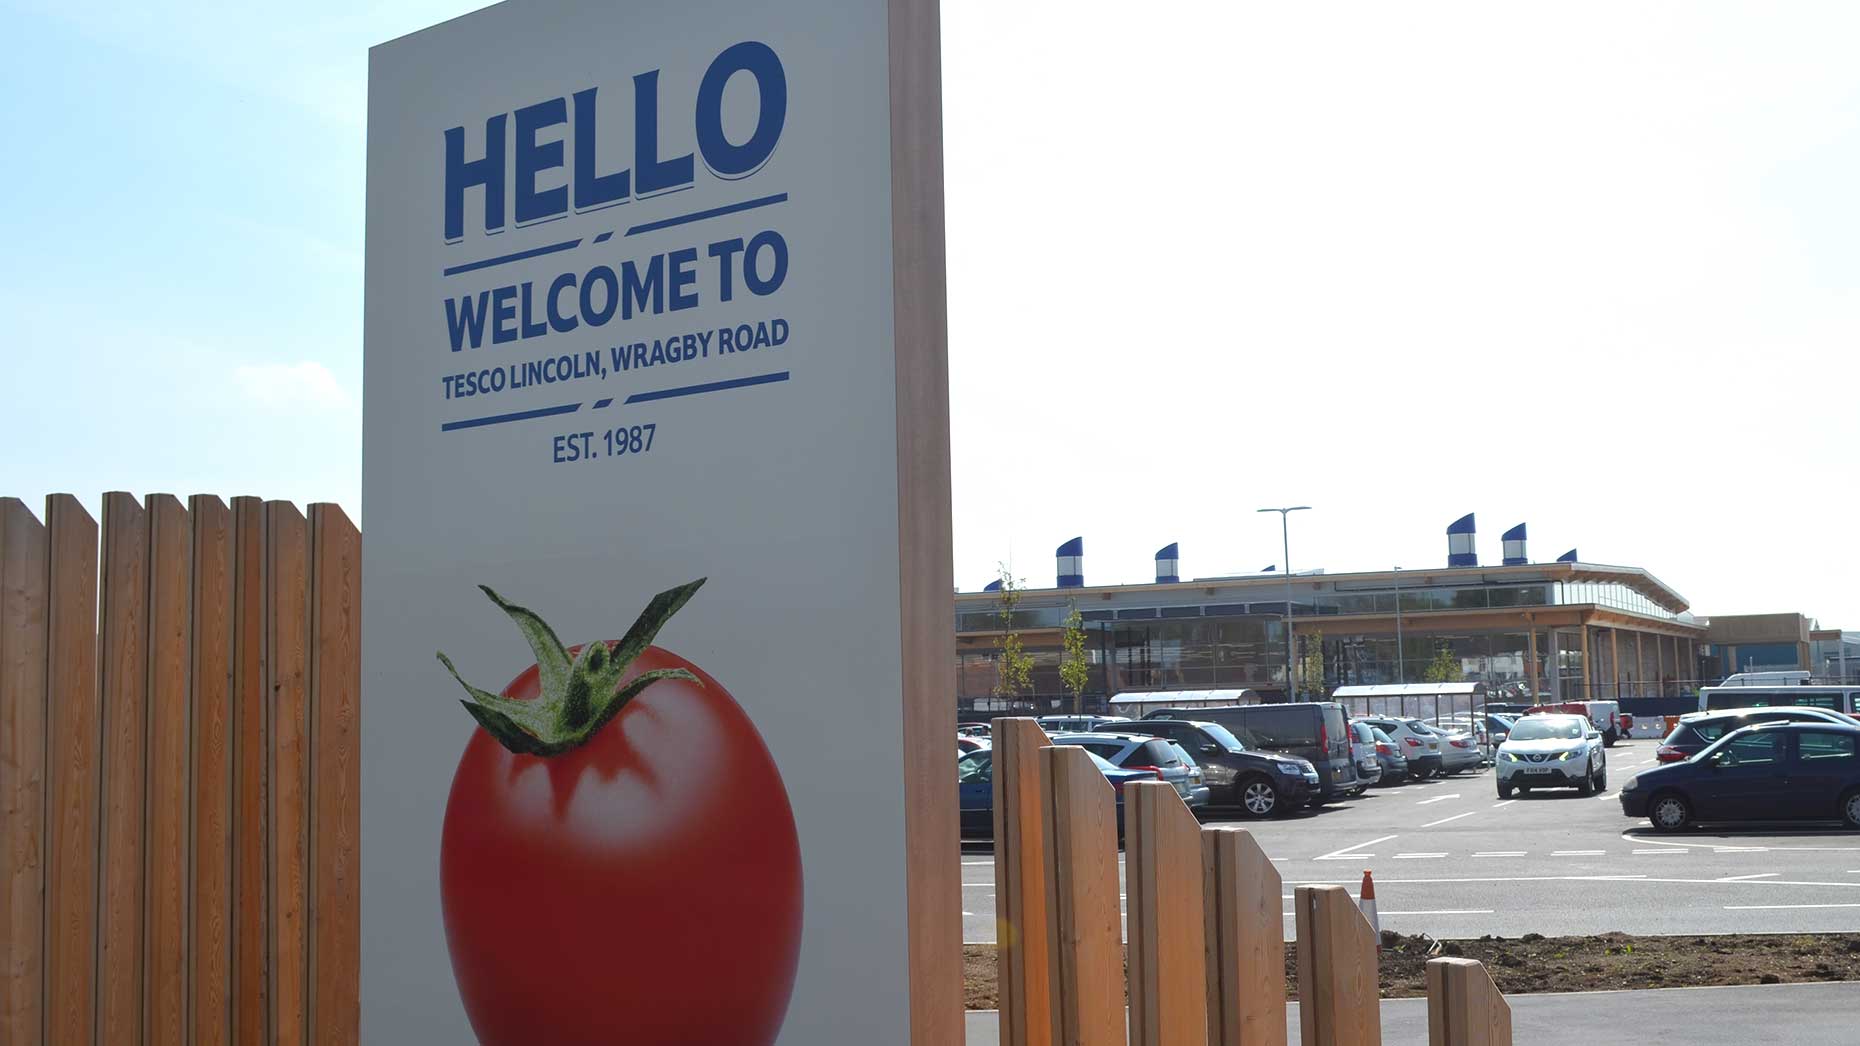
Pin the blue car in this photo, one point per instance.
(975, 779)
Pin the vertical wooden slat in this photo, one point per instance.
(73, 760)
(210, 936)
(1163, 884)
(286, 642)
(1464, 1007)
(170, 660)
(1245, 940)
(1338, 997)
(1020, 884)
(335, 809)
(23, 724)
(251, 706)
(124, 644)
(1081, 900)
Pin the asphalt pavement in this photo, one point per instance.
(1453, 860)
(1802, 1014)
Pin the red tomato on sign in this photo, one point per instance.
(642, 887)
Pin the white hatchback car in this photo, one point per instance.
(1552, 751)
(1420, 747)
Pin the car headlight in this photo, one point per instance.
(1290, 768)
(1571, 754)
(1507, 757)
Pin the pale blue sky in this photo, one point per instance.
(1595, 267)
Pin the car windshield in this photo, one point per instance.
(1381, 735)
(1547, 728)
(976, 766)
(1224, 737)
(1101, 762)
(1418, 727)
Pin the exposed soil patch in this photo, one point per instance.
(1534, 963)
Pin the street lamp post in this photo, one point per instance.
(1291, 687)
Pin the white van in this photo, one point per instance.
(1838, 698)
(1785, 678)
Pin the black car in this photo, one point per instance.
(1254, 782)
(1698, 730)
(1769, 772)
(1315, 731)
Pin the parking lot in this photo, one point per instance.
(1452, 860)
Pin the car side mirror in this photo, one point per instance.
(1210, 749)
(1720, 760)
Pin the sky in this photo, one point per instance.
(1593, 267)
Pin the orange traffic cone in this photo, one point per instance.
(1366, 900)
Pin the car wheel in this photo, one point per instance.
(1587, 785)
(1258, 798)
(1670, 812)
(1850, 808)
(1601, 781)
(1504, 791)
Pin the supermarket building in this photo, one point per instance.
(1566, 629)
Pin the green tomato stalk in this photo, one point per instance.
(580, 696)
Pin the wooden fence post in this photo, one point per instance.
(251, 729)
(1245, 940)
(73, 774)
(209, 962)
(1087, 994)
(124, 645)
(335, 778)
(23, 712)
(165, 879)
(1464, 1007)
(1338, 995)
(1163, 883)
(1021, 947)
(287, 638)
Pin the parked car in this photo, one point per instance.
(1363, 750)
(1157, 755)
(1459, 750)
(1420, 747)
(1388, 754)
(1077, 723)
(1697, 730)
(975, 786)
(1256, 783)
(1315, 731)
(1605, 716)
(965, 743)
(974, 729)
(1768, 772)
(1552, 751)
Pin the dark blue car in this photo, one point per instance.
(1769, 772)
(975, 778)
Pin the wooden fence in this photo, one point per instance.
(1205, 925)
(179, 775)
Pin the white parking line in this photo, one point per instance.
(1415, 857)
(1662, 851)
(1748, 878)
(1501, 806)
(1500, 853)
(1438, 799)
(1577, 853)
(1773, 907)
(1345, 854)
(1444, 820)
(1445, 911)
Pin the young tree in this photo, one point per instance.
(1444, 668)
(1013, 665)
(1311, 665)
(1075, 663)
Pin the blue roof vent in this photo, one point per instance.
(1461, 550)
(992, 586)
(1272, 569)
(1072, 563)
(1167, 572)
(1568, 557)
(1514, 546)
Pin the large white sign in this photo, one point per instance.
(637, 728)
